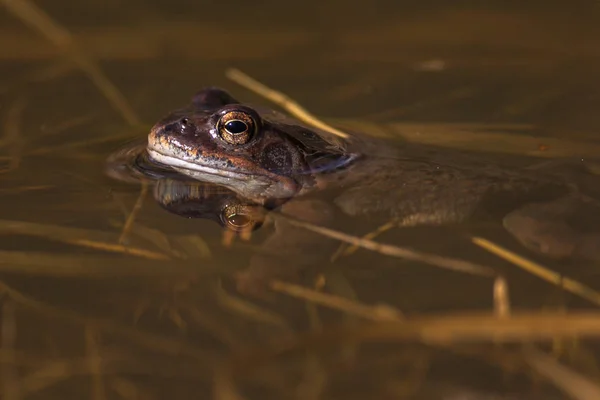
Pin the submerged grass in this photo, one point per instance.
(12, 133)
(540, 271)
(502, 326)
(181, 325)
(38, 20)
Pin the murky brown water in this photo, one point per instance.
(82, 319)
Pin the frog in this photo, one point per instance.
(274, 160)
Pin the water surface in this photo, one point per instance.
(90, 311)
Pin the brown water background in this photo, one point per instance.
(80, 321)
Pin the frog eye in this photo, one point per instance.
(236, 127)
(241, 217)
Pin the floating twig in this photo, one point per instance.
(281, 100)
(449, 263)
(540, 271)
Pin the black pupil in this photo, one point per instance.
(236, 127)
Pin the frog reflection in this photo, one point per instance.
(193, 199)
(240, 217)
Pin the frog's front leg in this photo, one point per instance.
(560, 229)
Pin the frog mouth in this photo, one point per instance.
(190, 167)
(246, 184)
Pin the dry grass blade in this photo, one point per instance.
(501, 299)
(71, 123)
(92, 265)
(51, 374)
(55, 371)
(159, 239)
(380, 312)
(249, 310)
(540, 271)
(569, 381)
(98, 240)
(33, 16)
(371, 235)
(94, 359)
(281, 100)
(9, 378)
(440, 330)
(126, 389)
(152, 341)
(54, 231)
(495, 138)
(23, 189)
(338, 284)
(217, 328)
(12, 133)
(118, 248)
(452, 264)
(129, 389)
(134, 212)
(224, 388)
(193, 246)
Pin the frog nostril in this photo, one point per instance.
(183, 126)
